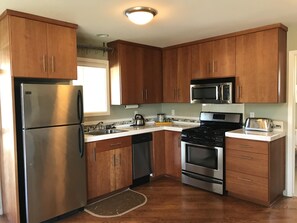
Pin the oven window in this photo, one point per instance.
(205, 157)
(204, 93)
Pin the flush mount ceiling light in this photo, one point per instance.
(140, 15)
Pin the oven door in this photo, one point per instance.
(204, 160)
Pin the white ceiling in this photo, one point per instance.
(178, 21)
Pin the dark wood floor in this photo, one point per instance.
(171, 201)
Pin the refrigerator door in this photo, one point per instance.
(55, 171)
(50, 105)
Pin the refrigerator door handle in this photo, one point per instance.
(81, 140)
(80, 109)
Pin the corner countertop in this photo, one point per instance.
(256, 135)
(134, 130)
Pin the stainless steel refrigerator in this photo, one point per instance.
(53, 150)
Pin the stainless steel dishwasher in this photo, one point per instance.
(141, 158)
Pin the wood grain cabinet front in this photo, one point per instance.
(261, 66)
(109, 166)
(214, 59)
(255, 170)
(136, 73)
(42, 49)
(158, 154)
(173, 154)
(177, 74)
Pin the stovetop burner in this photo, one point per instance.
(212, 130)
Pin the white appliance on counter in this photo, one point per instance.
(52, 166)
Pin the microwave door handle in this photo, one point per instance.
(217, 92)
(222, 92)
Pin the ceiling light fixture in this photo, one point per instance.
(140, 15)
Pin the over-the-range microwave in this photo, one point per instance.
(213, 91)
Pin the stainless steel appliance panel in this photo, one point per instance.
(203, 160)
(50, 105)
(55, 172)
(206, 183)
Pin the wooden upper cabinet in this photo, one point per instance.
(62, 52)
(135, 71)
(261, 66)
(152, 75)
(28, 47)
(169, 74)
(213, 59)
(176, 74)
(41, 47)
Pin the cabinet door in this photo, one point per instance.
(257, 66)
(223, 64)
(62, 52)
(123, 167)
(152, 75)
(131, 68)
(28, 47)
(173, 154)
(100, 168)
(183, 74)
(169, 75)
(158, 153)
(201, 60)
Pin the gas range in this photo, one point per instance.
(202, 150)
(208, 134)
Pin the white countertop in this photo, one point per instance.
(134, 130)
(255, 135)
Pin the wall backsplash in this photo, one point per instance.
(119, 112)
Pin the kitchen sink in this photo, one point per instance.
(104, 131)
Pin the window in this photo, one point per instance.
(93, 75)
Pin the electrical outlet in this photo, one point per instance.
(172, 112)
(252, 114)
(278, 125)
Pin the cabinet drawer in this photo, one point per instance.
(113, 143)
(244, 162)
(247, 186)
(247, 145)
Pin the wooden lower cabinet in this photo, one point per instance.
(255, 170)
(109, 166)
(173, 154)
(158, 153)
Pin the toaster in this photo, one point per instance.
(259, 124)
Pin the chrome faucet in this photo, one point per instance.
(98, 126)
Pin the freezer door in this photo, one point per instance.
(50, 105)
(55, 171)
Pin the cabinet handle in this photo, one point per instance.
(246, 157)
(239, 91)
(214, 66)
(94, 154)
(44, 63)
(174, 90)
(245, 146)
(145, 94)
(115, 144)
(178, 94)
(120, 159)
(244, 179)
(114, 160)
(53, 64)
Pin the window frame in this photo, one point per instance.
(88, 62)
